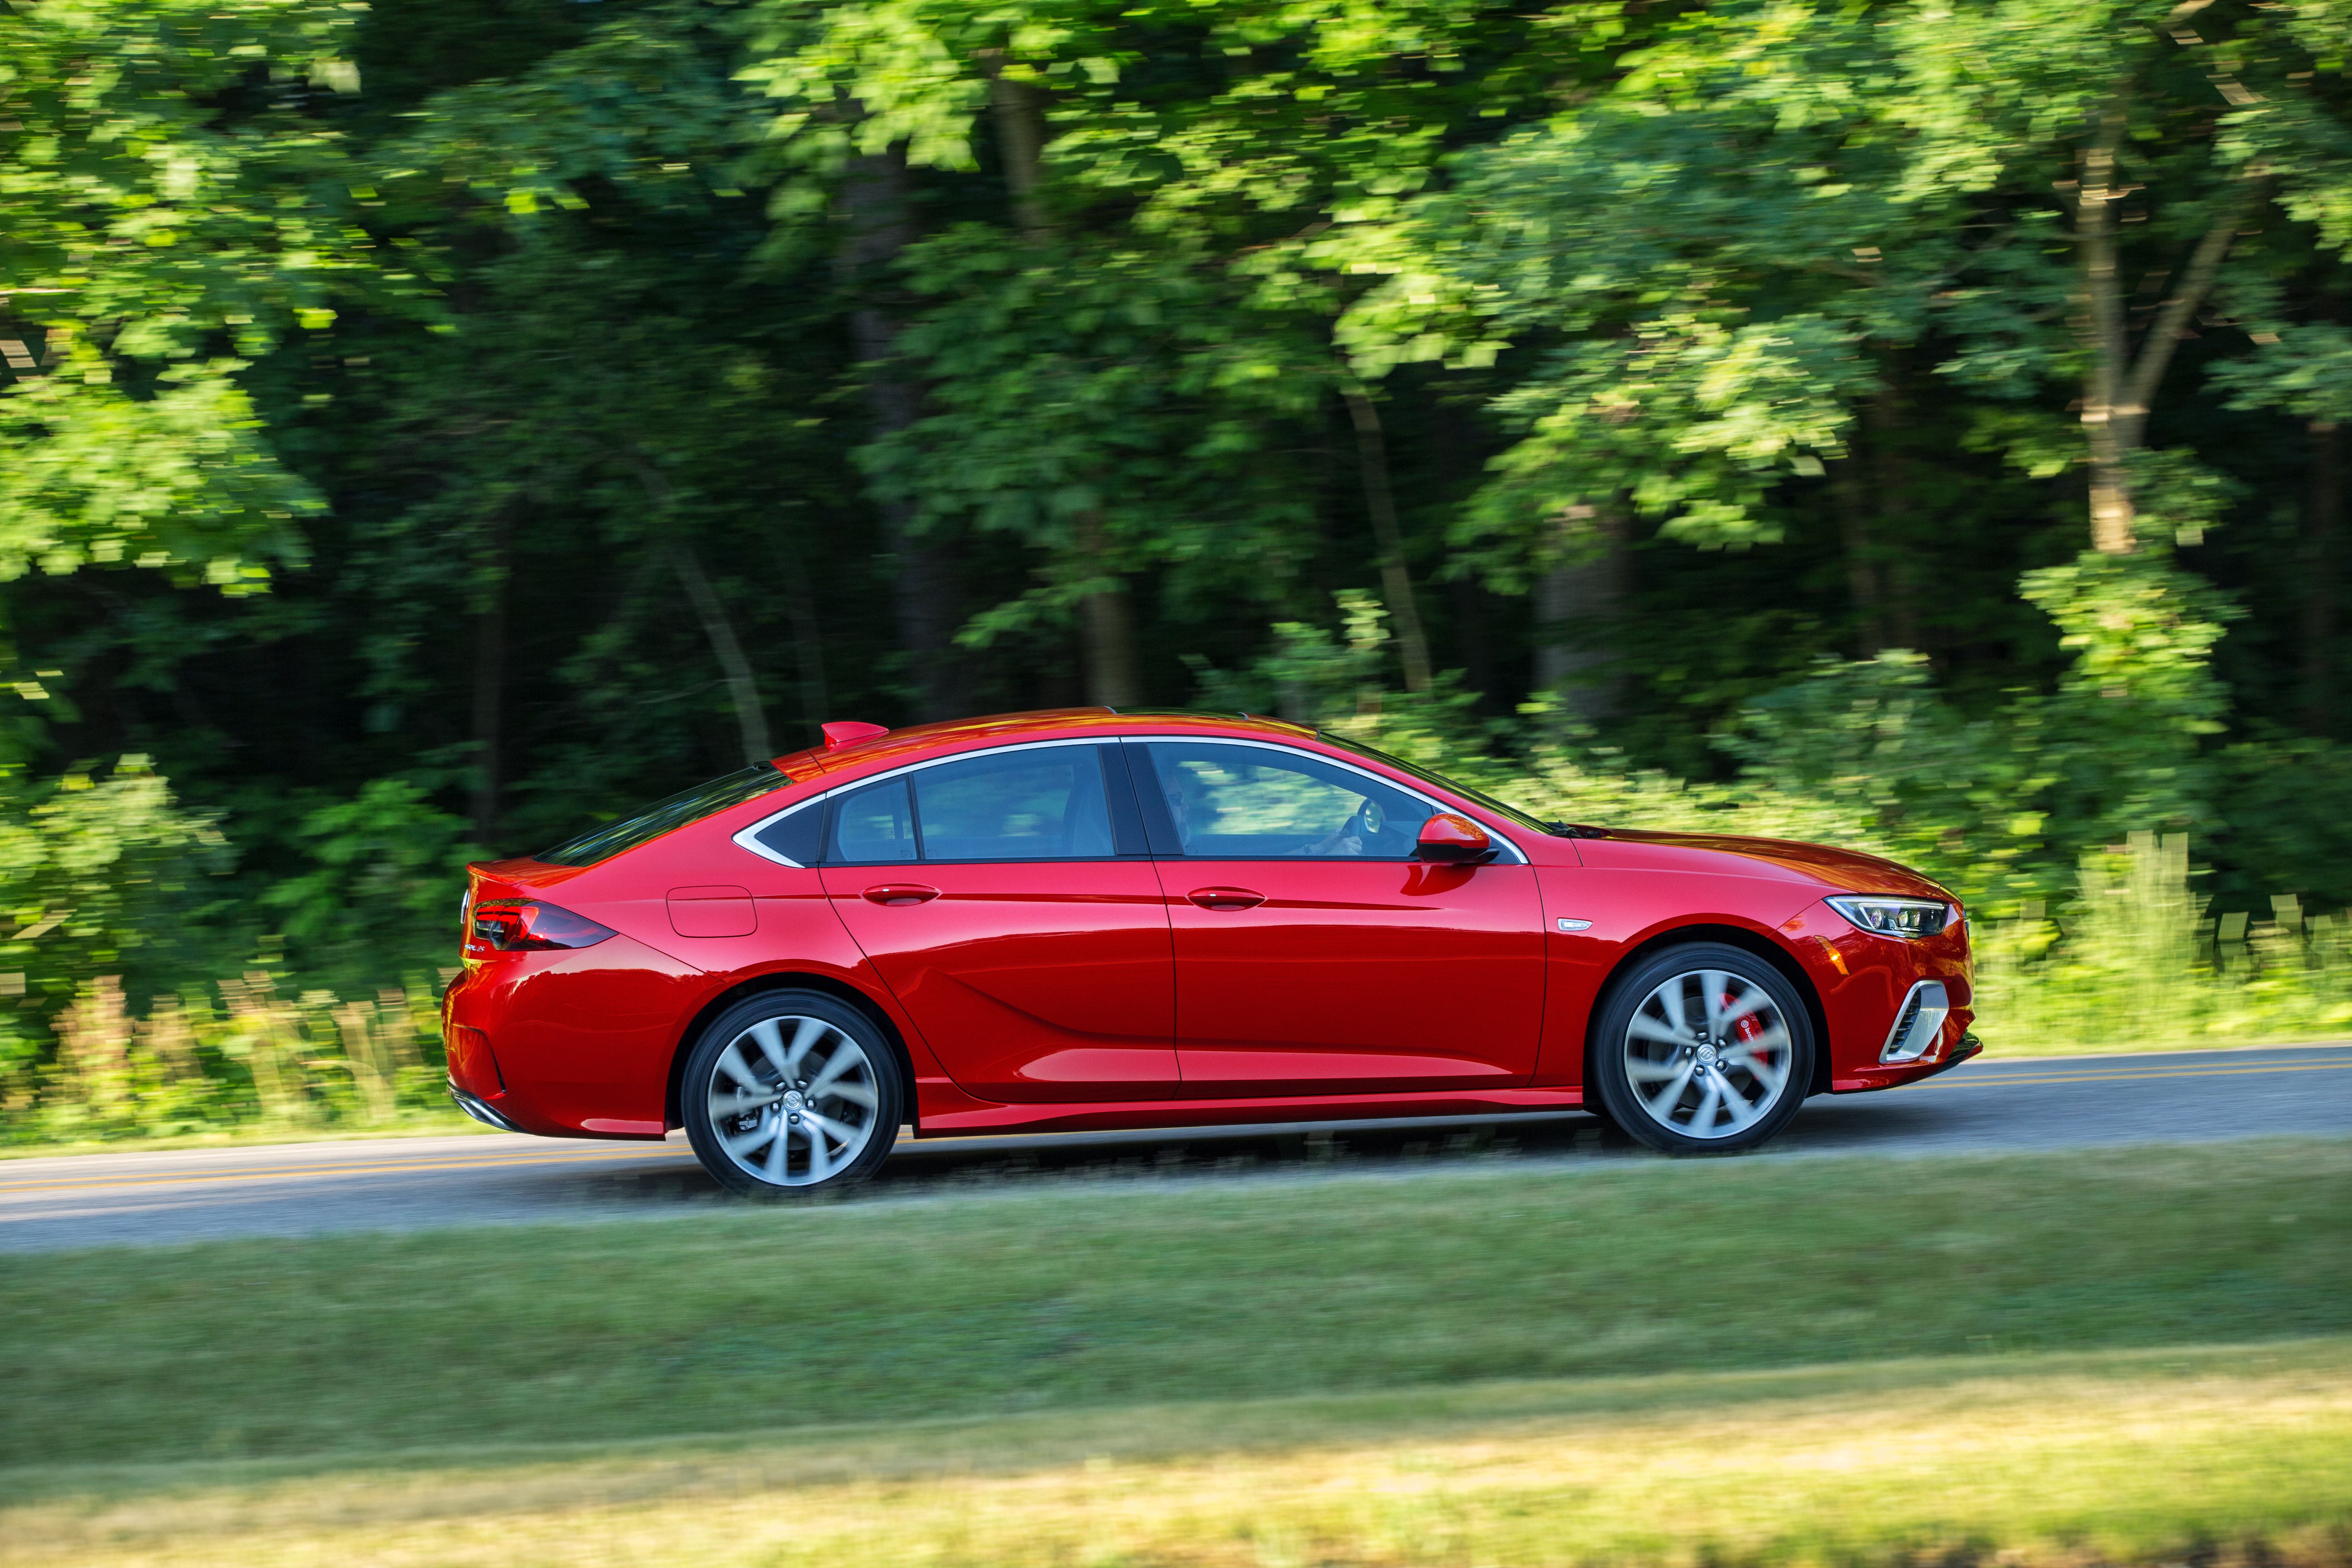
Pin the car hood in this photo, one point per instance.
(1834, 869)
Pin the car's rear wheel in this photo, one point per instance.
(1702, 1050)
(790, 1091)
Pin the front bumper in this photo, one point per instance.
(1961, 1049)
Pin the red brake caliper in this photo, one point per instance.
(1748, 1028)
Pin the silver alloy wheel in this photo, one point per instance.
(1708, 1054)
(793, 1100)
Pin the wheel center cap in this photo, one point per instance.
(1706, 1055)
(792, 1098)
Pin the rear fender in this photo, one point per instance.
(856, 986)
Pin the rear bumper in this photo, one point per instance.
(480, 1110)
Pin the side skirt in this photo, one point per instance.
(1106, 1116)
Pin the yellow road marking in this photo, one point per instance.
(607, 1156)
(2004, 1079)
(295, 1173)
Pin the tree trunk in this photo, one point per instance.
(808, 633)
(2319, 528)
(1882, 426)
(2119, 388)
(1477, 608)
(876, 200)
(1107, 615)
(1472, 613)
(2104, 418)
(1107, 630)
(1577, 604)
(743, 685)
(1396, 580)
(489, 687)
(1861, 589)
(1021, 142)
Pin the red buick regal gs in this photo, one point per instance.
(1089, 918)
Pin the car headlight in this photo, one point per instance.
(1911, 919)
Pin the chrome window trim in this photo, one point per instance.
(748, 838)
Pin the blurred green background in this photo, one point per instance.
(427, 427)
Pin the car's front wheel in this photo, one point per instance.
(1702, 1050)
(790, 1092)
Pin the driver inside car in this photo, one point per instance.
(1367, 831)
(1351, 835)
(1197, 804)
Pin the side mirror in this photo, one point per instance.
(1453, 839)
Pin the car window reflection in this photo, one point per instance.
(1045, 805)
(1249, 803)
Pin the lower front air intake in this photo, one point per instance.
(1918, 1022)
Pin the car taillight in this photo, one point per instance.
(518, 925)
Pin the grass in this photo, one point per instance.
(2123, 1357)
(2136, 1457)
(1097, 1295)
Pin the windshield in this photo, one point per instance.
(1500, 808)
(692, 806)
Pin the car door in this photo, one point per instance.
(1007, 899)
(1314, 953)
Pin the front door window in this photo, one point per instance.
(1256, 802)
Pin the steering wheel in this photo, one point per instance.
(1363, 825)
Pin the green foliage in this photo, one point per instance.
(2136, 941)
(103, 873)
(151, 254)
(377, 898)
(252, 1061)
(1118, 395)
(423, 430)
(2123, 730)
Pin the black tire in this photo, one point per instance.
(1744, 1085)
(737, 1087)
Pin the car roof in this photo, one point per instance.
(1058, 723)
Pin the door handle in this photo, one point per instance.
(898, 895)
(1225, 898)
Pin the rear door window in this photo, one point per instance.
(1046, 804)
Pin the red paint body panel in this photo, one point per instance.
(712, 911)
(1862, 979)
(472, 1067)
(1627, 906)
(1096, 993)
(578, 1035)
(1031, 980)
(1358, 977)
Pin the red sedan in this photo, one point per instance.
(1090, 918)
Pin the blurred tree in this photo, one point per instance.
(637, 385)
(161, 166)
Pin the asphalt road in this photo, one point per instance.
(404, 1184)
